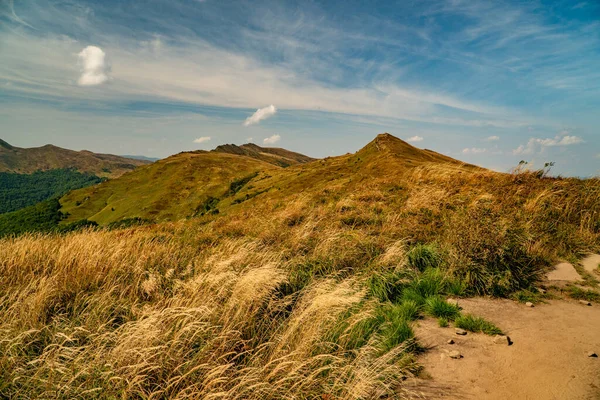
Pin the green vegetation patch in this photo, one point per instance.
(42, 217)
(471, 323)
(18, 191)
(577, 293)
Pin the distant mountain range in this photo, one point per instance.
(49, 157)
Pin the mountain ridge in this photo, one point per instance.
(28, 160)
(222, 179)
(273, 155)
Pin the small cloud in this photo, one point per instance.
(249, 140)
(94, 68)
(414, 139)
(535, 144)
(271, 140)
(260, 114)
(202, 139)
(493, 138)
(474, 150)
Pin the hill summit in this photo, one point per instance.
(272, 155)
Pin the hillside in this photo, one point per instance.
(175, 187)
(29, 160)
(340, 278)
(280, 157)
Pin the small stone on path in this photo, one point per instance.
(529, 304)
(585, 302)
(454, 354)
(450, 341)
(593, 354)
(502, 339)
(461, 332)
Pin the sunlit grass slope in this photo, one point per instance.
(305, 285)
(170, 189)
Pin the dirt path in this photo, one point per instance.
(548, 360)
(591, 263)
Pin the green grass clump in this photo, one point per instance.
(443, 322)
(430, 283)
(525, 295)
(409, 310)
(396, 329)
(424, 256)
(438, 307)
(386, 286)
(577, 293)
(471, 323)
(456, 287)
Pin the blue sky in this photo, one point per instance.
(488, 82)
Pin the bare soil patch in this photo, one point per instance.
(547, 360)
(564, 272)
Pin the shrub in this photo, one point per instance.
(238, 184)
(476, 324)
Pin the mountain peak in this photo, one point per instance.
(386, 145)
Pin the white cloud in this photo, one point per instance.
(493, 138)
(260, 114)
(202, 139)
(272, 139)
(474, 150)
(249, 140)
(535, 144)
(414, 139)
(94, 68)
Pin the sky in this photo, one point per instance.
(487, 82)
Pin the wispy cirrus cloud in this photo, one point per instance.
(493, 138)
(414, 139)
(260, 115)
(202, 139)
(474, 150)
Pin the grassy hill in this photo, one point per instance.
(177, 187)
(27, 161)
(306, 284)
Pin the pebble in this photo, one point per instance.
(585, 302)
(503, 339)
(529, 304)
(461, 332)
(450, 341)
(454, 354)
(593, 354)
